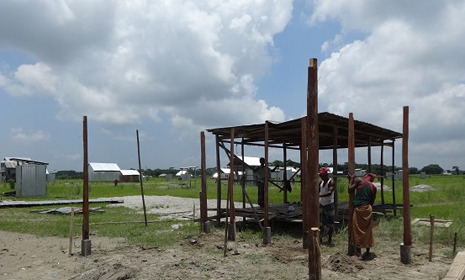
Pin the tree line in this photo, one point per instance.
(430, 169)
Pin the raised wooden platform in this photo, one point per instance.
(457, 269)
(292, 212)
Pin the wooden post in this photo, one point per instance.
(244, 176)
(393, 180)
(266, 227)
(85, 243)
(203, 175)
(285, 173)
(303, 182)
(218, 182)
(369, 154)
(313, 151)
(71, 232)
(382, 174)
(316, 240)
(141, 179)
(405, 255)
(335, 168)
(431, 220)
(351, 154)
(231, 187)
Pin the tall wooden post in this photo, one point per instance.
(232, 225)
(351, 152)
(218, 182)
(285, 173)
(369, 154)
(335, 168)
(313, 151)
(266, 227)
(203, 175)
(85, 243)
(303, 183)
(405, 247)
(244, 176)
(393, 180)
(382, 174)
(141, 179)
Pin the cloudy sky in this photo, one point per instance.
(171, 69)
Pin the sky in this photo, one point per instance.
(171, 69)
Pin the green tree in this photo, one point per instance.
(432, 169)
(457, 170)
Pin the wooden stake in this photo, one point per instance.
(455, 244)
(141, 177)
(71, 232)
(431, 220)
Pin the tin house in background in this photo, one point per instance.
(30, 175)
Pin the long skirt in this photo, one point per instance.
(362, 234)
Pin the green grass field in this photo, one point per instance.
(447, 202)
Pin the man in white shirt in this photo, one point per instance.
(327, 187)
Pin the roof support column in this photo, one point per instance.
(335, 168)
(393, 180)
(266, 227)
(303, 183)
(351, 151)
(85, 243)
(218, 182)
(405, 247)
(314, 260)
(285, 173)
(382, 174)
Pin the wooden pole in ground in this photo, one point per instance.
(393, 179)
(313, 153)
(243, 178)
(71, 231)
(218, 182)
(231, 189)
(405, 249)
(285, 173)
(351, 153)
(303, 183)
(431, 220)
(335, 168)
(369, 154)
(141, 179)
(266, 227)
(382, 174)
(316, 240)
(203, 175)
(85, 243)
(454, 250)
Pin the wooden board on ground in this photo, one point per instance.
(457, 269)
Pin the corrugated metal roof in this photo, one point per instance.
(101, 167)
(130, 172)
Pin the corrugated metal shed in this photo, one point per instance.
(130, 176)
(31, 180)
(103, 172)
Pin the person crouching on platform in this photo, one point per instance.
(362, 230)
(326, 203)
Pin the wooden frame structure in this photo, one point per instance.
(314, 132)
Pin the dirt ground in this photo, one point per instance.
(24, 256)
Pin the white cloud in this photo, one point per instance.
(411, 55)
(119, 62)
(18, 134)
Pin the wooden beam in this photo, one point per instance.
(203, 176)
(405, 177)
(351, 154)
(335, 168)
(218, 182)
(313, 151)
(265, 193)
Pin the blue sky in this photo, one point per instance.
(174, 68)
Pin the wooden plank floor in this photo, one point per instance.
(457, 269)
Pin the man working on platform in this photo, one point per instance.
(259, 174)
(327, 187)
(362, 231)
